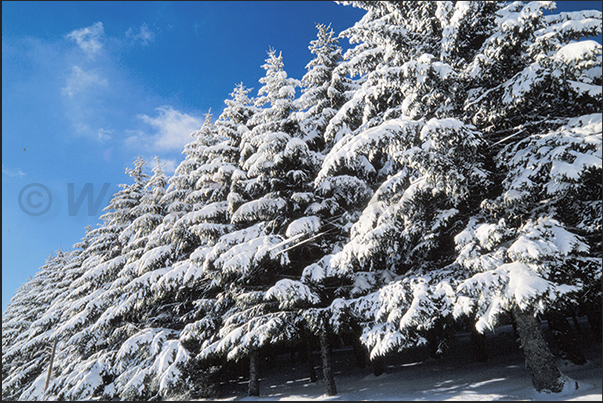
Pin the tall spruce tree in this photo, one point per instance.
(27, 330)
(276, 165)
(527, 22)
(320, 96)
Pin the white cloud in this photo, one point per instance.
(80, 81)
(104, 103)
(104, 134)
(12, 173)
(173, 130)
(144, 35)
(89, 38)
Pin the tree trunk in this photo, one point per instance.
(254, 382)
(576, 324)
(359, 352)
(434, 337)
(310, 361)
(593, 314)
(377, 365)
(478, 341)
(565, 338)
(54, 348)
(325, 351)
(539, 359)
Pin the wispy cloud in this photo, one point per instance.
(12, 173)
(79, 81)
(104, 134)
(102, 101)
(100, 97)
(89, 39)
(144, 35)
(172, 130)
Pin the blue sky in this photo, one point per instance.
(88, 86)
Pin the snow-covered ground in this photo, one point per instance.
(412, 376)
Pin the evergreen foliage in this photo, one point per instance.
(443, 172)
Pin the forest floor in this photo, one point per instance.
(411, 376)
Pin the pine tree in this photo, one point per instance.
(391, 152)
(96, 266)
(521, 229)
(276, 165)
(162, 280)
(102, 261)
(320, 97)
(116, 325)
(27, 334)
(199, 217)
(463, 188)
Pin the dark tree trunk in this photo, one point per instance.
(359, 352)
(478, 341)
(433, 344)
(325, 351)
(254, 382)
(378, 365)
(310, 361)
(539, 359)
(576, 324)
(565, 338)
(593, 314)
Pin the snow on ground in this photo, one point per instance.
(412, 376)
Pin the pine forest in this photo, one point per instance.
(441, 175)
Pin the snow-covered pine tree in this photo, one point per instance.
(87, 297)
(26, 331)
(116, 325)
(172, 280)
(388, 148)
(186, 281)
(277, 167)
(153, 284)
(140, 313)
(536, 84)
(447, 176)
(170, 240)
(212, 301)
(146, 216)
(72, 315)
(313, 235)
(407, 228)
(356, 163)
(526, 256)
(49, 319)
(320, 96)
(346, 182)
